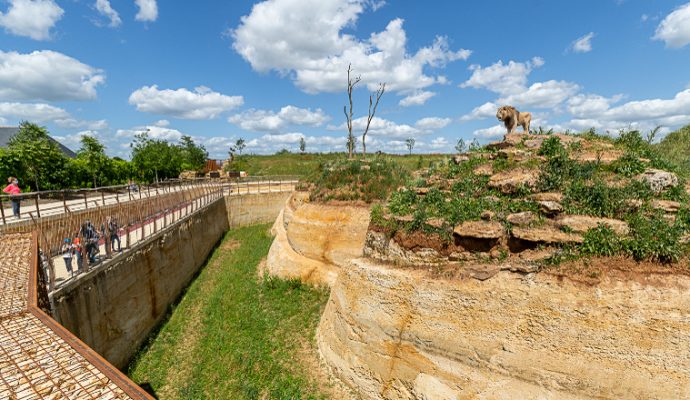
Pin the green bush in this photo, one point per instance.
(601, 241)
(653, 238)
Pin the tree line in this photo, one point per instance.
(39, 164)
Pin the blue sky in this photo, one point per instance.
(274, 71)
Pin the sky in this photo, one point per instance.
(275, 71)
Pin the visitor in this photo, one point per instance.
(113, 229)
(67, 254)
(14, 191)
(90, 237)
(78, 252)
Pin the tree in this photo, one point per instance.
(96, 162)
(40, 159)
(155, 159)
(351, 143)
(351, 82)
(240, 145)
(370, 116)
(193, 157)
(302, 145)
(474, 146)
(460, 146)
(409, 142)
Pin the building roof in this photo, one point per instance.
(8, 132)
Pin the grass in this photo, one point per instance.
(305, 164)
(233, 335)
(454, 194)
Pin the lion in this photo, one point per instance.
(512, 118)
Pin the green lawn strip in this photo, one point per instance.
(250, 331)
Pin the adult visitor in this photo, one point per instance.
(14, 191)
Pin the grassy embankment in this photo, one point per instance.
(308, 163)
(233, 335)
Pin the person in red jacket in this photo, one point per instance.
(13, 189)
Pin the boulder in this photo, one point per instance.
(604, 157)
(423, 190)
(658, 179)
(515, 138)
(583, 223)
(533, 143)
(550, 207)
(510, 181)
(522, 218)
(514, 154)
(488, 215)
(547, 196)
(545, 234)
(484, 169)
(436, 222)
(666, 205)
(461, 158)
(479, 230)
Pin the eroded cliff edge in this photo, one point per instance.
(399, 334)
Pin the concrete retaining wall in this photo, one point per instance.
(259, 208)
(114, 308)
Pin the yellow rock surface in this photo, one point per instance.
(313, 241)
(400, 334)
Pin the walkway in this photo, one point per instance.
(39, 359)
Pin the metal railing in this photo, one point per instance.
(84, 228)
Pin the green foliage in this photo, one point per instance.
(93, 160)
(597, 199)
(356, 180)
(234, 335)
(460, 146)
(653, 238)
(40, 160)
(601, 241)
(676, 148)
(193, 156)
(628, 165)
(155, 159)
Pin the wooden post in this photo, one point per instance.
(86, 203)
(64, 201)
(2, 211)
(38, 212)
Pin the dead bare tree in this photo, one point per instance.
(350, 86)
(379, 92)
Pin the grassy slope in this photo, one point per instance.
(676, 148)
(232, 336)
(304, 164)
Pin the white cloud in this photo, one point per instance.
(493, 132)
(583, 44)
(148, 10)
(104, 8)
(590, 105)
(547, 94)
(31, 18)
(202, 103)
(651, 109)
(32, 112)
(504, 79)
(46, 75)
(42, 113)
(381, 127)
(272, 143)
(305, 40)
(162, 123)
(486, 110)
(432, 123)
(154, 132)
(269, 121)
(417, 98)
(674, 30)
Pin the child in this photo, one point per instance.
(67, 254)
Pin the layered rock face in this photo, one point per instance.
(313, 241)
(394, 333)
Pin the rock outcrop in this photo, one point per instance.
(313, 241)
(398, 334)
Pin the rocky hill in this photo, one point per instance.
(530, 201)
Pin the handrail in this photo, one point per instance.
(118, 378)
